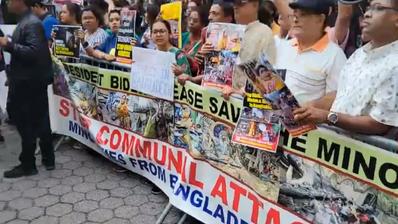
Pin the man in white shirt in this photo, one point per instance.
(367, 98)
(312, 61)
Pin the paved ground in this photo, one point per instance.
(84, 188)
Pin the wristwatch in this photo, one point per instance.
(85, 44)
(333, 118)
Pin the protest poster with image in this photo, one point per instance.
(124, 48)
(172, 13)
(151, 73)
(219, 68)
(258, 125)
(225, 36)
(271, 86)
(67, 43)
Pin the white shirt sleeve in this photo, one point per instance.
(384, 105)
(333, 72)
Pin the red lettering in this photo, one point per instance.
(296, 222)
(127, 145)
(273, 217)
(115, 135)
(238, 191)
(220, 189)
(184, 170)
(176, 162)
(142, 151)
(256, 207)
(99, 138)
(161, 161)
(192, 176)
(64, 108)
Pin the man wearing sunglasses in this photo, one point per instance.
(258, 38)
(367, 97)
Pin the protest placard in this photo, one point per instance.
(126, 36)
(172, 13)
(66, 42)
(151, 73)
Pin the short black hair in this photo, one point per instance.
(97, 14)
(227, 8)
(203, 13)
(75, 11)
(152, 11)
(113, 11)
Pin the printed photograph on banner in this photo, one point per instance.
(126, 36)
(84, 97)
(219, 67)
(66, 43)
(184, 118)
(148, 117)
(225, 36)
(60, 79)
(172, 12)
(270, 85)
(323, 196)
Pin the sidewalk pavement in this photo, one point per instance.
(83, 188)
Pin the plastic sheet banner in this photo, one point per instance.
(184, 147)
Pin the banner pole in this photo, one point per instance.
(59, 142)
(183, 218)
(164, 213)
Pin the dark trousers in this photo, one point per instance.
(28, 102)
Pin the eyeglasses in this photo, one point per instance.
(379, 8)
(159, 31)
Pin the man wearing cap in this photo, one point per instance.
(312, 62)
(40, 10)
(366, 101)
(258, 38)
(29, 74)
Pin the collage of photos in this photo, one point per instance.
(323, 196)
(84, 97)
(60, 79)
(271, 86)
(219, 68)
(148, 117)
(66, 43)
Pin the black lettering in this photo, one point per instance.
(224, 110)
(328, 153)
(190, 96)
(86, 75)
(94, 77)
(235, 113)
(120, 158)
(383, 175)
(368, 169)
(183, 94)
(199, 101)
(176, 96)
(66, 67)
(285, 136)
(126, 84)
(114, 82)
(297, 140)
(346, 158)
(213, 105)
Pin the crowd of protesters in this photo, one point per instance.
(340, 57)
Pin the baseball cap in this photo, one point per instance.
(317, 6)
(350, 2)
(41, 2)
